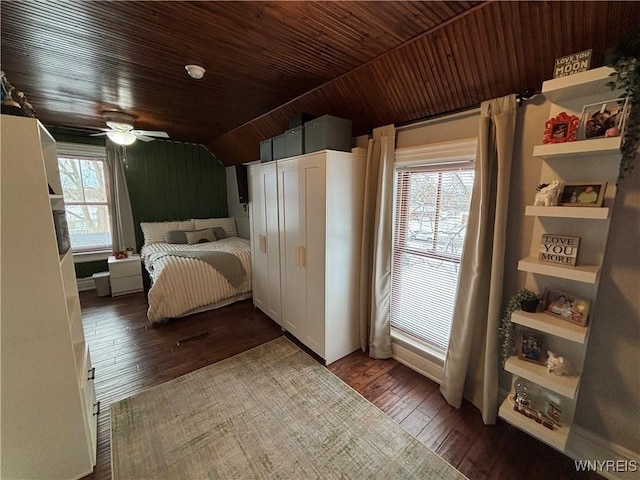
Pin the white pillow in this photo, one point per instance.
(228, 224)
(156, 232)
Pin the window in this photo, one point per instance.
(85, 186)
(431, 213)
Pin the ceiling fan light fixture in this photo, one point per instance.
(195, 71)
(121, 137)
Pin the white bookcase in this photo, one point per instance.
(49, 421)
(579, 161)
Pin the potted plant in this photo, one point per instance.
(626, 77)
(523, 299)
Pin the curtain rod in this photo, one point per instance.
(520, 99)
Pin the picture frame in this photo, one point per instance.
(566, 306)
(603, 119)
(120, 254)
(560, 249)
(582, 194)
(561, 128)
(532, 347)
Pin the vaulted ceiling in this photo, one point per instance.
(373, 62)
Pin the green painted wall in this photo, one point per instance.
(174, 181)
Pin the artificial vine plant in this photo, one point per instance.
(624, 59)
(506, 327)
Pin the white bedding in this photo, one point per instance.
(180, 286)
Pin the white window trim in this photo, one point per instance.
(84, 150)
(407, 350)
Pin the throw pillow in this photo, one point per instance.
(219, 233)
(176, 236)
(200, 236)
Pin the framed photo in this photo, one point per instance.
(604, 119)
(566, 306)
(120, 254)
(582, 194)
(532, 347)
(562, 128)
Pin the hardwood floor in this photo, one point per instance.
(131, 355)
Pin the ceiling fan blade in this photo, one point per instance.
(144, 138)
(101, 134)
(151, 133)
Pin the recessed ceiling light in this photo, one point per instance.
(195, 71)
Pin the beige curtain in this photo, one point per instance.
(375, 274)
(471, 365)
(122, 231)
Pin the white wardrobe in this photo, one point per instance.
(318, 214)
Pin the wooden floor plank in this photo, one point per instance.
(132, 355)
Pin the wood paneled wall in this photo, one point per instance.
(491, 50)
(174, 181)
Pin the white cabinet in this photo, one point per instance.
(320, 202)
(48, 395)
(319, 220)
(579, 161)
(265, 243)
(125, 275)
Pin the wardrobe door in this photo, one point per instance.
(312, 175)
(292, 272)
(265, 248)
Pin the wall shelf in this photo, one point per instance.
(595, 213)
(555, 438)
(580, 84)
(580, 273)
(544, 322)
(562, 384)
(594, 146)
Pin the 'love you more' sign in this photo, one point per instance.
(559, 249)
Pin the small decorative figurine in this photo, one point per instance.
(547, 194)
(557, 364)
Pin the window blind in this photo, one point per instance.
(431, 214)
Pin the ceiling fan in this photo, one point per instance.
(121, 129)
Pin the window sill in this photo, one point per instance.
(432, 354)
(417, 356)
(85, 257)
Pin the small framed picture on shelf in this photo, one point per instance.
(532, 347)
(562, 249)
(582, 194)
(120, 254)
(604, 119)
(562, 128)
(566, 306)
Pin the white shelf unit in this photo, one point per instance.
(589, 160)
(601, 213)
(546, 323)
(557, 438)
(48, 395)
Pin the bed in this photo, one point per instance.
(194, 265)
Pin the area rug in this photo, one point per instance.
(271, 412)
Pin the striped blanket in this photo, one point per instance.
(182, 284)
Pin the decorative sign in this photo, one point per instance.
(559, 249)
(575, 63)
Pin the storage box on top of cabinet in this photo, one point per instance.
(289, 144)
(327, 133)
(266, 150)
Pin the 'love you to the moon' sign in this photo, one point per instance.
(575, 63)
(559, 249)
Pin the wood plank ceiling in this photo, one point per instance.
(373, 62)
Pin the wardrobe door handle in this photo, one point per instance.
(92, 374)
(96, 408)
(303, 259)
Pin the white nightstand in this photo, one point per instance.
(125, 275)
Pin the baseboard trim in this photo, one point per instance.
(586, 445)
(417, 362)
(86, 283)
